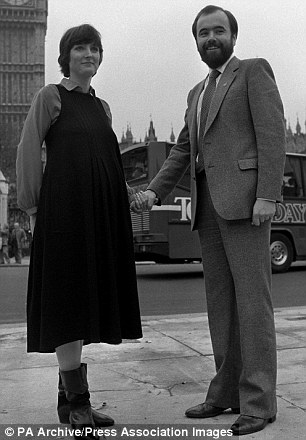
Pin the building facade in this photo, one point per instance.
(296, 141)
(127, 139)
(23, 25)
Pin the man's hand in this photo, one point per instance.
(143, 201)
(263, 210)
(151, 198)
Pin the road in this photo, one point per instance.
(163, 290)
(179, 289)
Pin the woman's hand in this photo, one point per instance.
(131, 193)
(32, 223)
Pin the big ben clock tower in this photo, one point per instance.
(23, 25)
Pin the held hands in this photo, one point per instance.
(143, 201)
(263, 210)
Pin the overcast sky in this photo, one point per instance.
(151, 61)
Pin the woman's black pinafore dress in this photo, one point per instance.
(82, 278)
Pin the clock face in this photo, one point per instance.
(17, 2)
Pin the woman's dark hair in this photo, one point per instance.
(83, 34)
(210, 10)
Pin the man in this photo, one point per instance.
(237, 162)
(18, 239)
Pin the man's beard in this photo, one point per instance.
(216, 58)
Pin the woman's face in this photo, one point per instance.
(84, 60)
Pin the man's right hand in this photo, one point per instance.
(151, 198)
(143, 201)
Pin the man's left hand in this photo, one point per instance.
(263, 210)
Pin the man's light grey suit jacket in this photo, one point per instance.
(243, 143)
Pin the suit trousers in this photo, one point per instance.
(237, 274)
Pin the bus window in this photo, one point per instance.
(135, 164)
(292, 180)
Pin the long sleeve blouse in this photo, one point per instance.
(44, 112)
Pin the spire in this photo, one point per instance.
(298, 126)
(172, 137)
(289, 128)
(123, 140)
(151, 133)
(129, 135)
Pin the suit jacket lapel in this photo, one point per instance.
(224, 84)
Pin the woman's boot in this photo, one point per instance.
(63, 407)
(76, 389)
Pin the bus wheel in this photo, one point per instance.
(281, 253)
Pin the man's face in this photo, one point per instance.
(214, 39)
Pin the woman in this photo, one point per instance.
(82, 282)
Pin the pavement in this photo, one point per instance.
(149, 382)
(25, 261)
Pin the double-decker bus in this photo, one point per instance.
(164, 235)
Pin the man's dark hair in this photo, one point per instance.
(210, 10)
(83, 34)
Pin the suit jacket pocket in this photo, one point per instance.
(248, 164)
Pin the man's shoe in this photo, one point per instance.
(248, 424)
(204, 410)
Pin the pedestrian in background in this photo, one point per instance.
(234, 141)
(82, 280)
(4, 251)
(18, 239)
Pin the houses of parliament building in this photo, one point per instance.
(23, 26)
(127, 139)
(295, 140)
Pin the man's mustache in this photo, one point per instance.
(208, 46)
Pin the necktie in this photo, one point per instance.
(207, 97)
